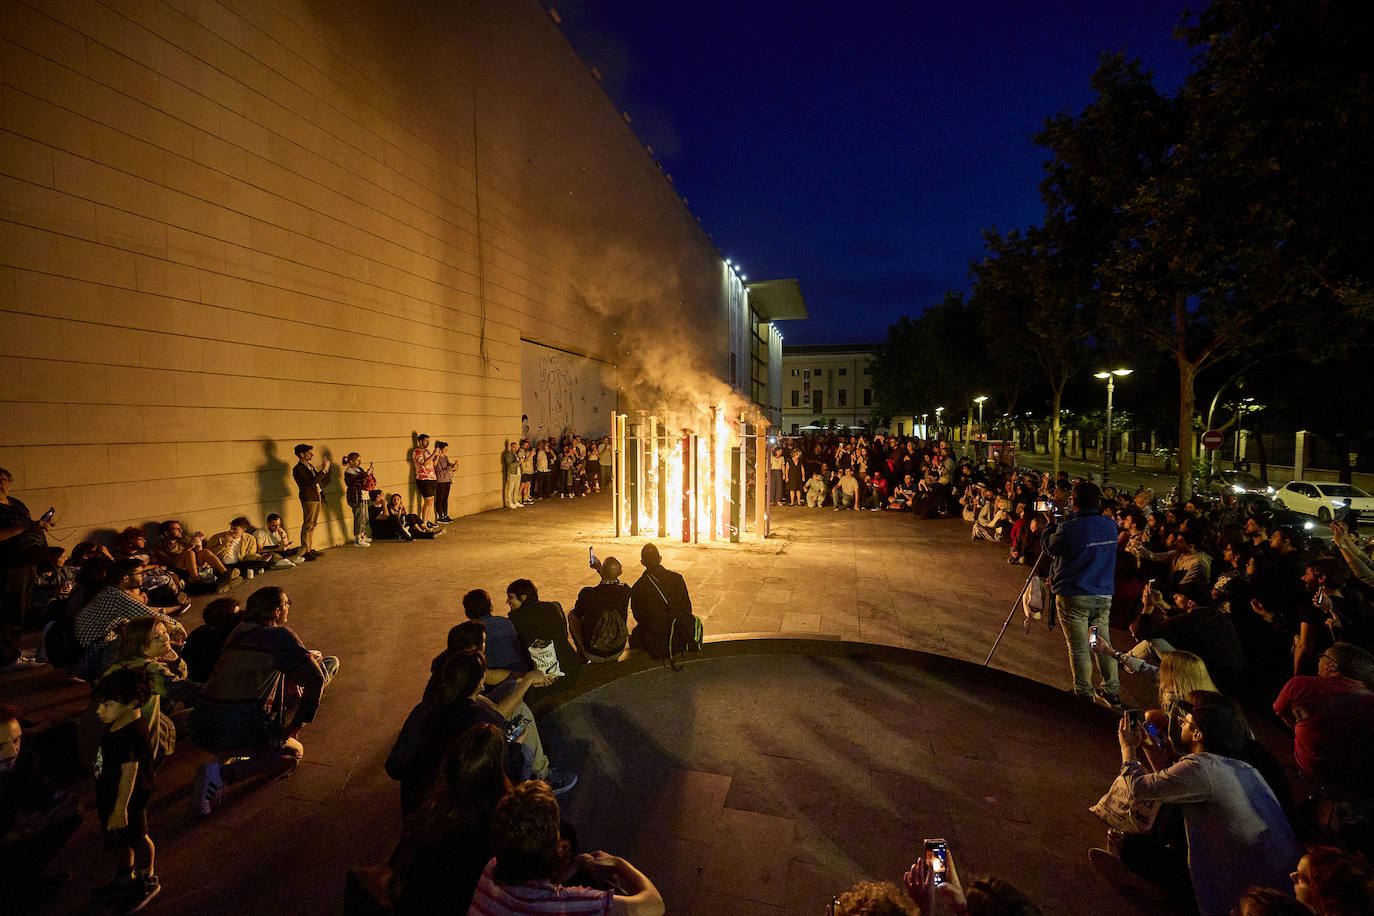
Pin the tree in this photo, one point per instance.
(932, 359)
(1034, 296)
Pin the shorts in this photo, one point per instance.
(426, 487)
(131, 834)
(526, 478)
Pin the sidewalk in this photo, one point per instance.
(882, 578)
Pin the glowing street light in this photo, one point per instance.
(1111, 376)
(979, 401)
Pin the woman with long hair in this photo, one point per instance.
(446, 843)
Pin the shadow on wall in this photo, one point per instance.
(272, 475)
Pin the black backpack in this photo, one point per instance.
(608, 635)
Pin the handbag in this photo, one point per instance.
(1120, 810)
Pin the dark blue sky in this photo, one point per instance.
(861, 148)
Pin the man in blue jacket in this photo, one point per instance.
(1082, 574)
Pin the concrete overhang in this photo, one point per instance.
(777, 300)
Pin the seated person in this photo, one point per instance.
(530, 859)
(275, 543)
(385, 523)
(164, 587)
(120, 600)
(815, 490)
(503, 649)
(599, 621)
(237, 549)
(1197, 627)
(661, 606)
(539, 622)
(245, 715)
(36, 819)
(845, 493)
(187, 554)
(1332, 717)
(204, 643)
(903, 495)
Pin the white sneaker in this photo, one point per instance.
(248, 574)
(207, 788)
(283, 563)
(362, 543)
(298, 561)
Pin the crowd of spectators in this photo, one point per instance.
(568, 468)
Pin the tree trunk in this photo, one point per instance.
(1053, 444)
(1187, 403)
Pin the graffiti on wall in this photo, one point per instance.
(563, 392)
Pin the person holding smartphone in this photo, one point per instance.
(23, 543)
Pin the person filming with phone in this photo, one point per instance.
(1082, 552)
(23, 541)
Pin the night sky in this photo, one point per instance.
(863, 154)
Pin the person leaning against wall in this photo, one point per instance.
(310, 483)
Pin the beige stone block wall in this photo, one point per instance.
(229, 227)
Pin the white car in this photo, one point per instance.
(1323, 499)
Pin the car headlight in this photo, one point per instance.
(1237, 488)
(1308, 525)
(1337, 503)
(1269, 489)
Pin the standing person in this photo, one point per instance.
(543, 470)
(1082, 577)
(423, 460)
(777, 467)
(356, 481)
(594, 452)
(22, 542)
(265, 686)
(566, 462)
(795, 473)
(526, 471)
(510, 475)
(124, 784)
(443, 480)
(310, 485)
(662, 607)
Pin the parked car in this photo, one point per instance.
(1323, 498)
(1238, 482)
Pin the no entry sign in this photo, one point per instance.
(1212, 439)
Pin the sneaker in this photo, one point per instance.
(224, 583)
(308, 557)
(1115, 871)
(235, 574)
(122, 886)
(284, 563)
(249, 574)
(435, 531)
(207, 789)
(146, 888)
(297, 560)
(179, 609)
(1110, 699)
(560, 780)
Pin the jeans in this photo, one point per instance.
(511, 490)
(360, 526)
(1076, 614)
(310, 517)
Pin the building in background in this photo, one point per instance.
(769, 302)
(827, 386)
(229, 228)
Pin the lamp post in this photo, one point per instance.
(939, 425)
(1110, 376)
(1240, 418)
(925, 430)
(979, 401)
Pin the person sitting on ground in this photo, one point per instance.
(598, 621)
(1237, 834)
(503, 649)
(242, 712)
(409, 523)
(989, 896)
(1266, 901)
(121, 600)
(1198, 628)
(1183, 561)
(540, 626)
(387, 520)
(275, 541)
(903, 495)
(1334, 882)
(36, 820)
(1325, 617)
(1332, 717)
(845, 493)
(446, 843)
(530, 859)
(662, 606)
(987, 517)
(237, 549)
(123, 786)
(815, 490)
(204, 644)
(187, 554)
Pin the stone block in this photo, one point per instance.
(32, 424)
(42, 207)
(67, 465)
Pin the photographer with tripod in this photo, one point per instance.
(1082, 551)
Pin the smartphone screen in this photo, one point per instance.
(591, 557)
(1092, 638)
(1133, 718)
(937, 854)
(1153, 733)
(47, 516)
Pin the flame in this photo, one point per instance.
(666, 474)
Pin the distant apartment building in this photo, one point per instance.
(825, 386)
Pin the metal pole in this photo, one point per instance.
(634, 476)
(763, 510)
(736, 487)
(691, 475)
(713, 505)
(619, 474)
(1107, 432)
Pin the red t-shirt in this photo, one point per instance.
(424, 464)
(1333, 730)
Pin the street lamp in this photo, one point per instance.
(1110, 376)
(939, 426)
(979, 401)
(1240, 418)
(925, 430)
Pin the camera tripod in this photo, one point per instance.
(1020, 596)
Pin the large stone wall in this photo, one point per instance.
(227, 227)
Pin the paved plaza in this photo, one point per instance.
(762, 778)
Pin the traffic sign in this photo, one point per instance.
(1212, 439)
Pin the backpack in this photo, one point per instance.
(609, 635)
(694, 645)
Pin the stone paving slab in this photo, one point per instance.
(385, 612)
